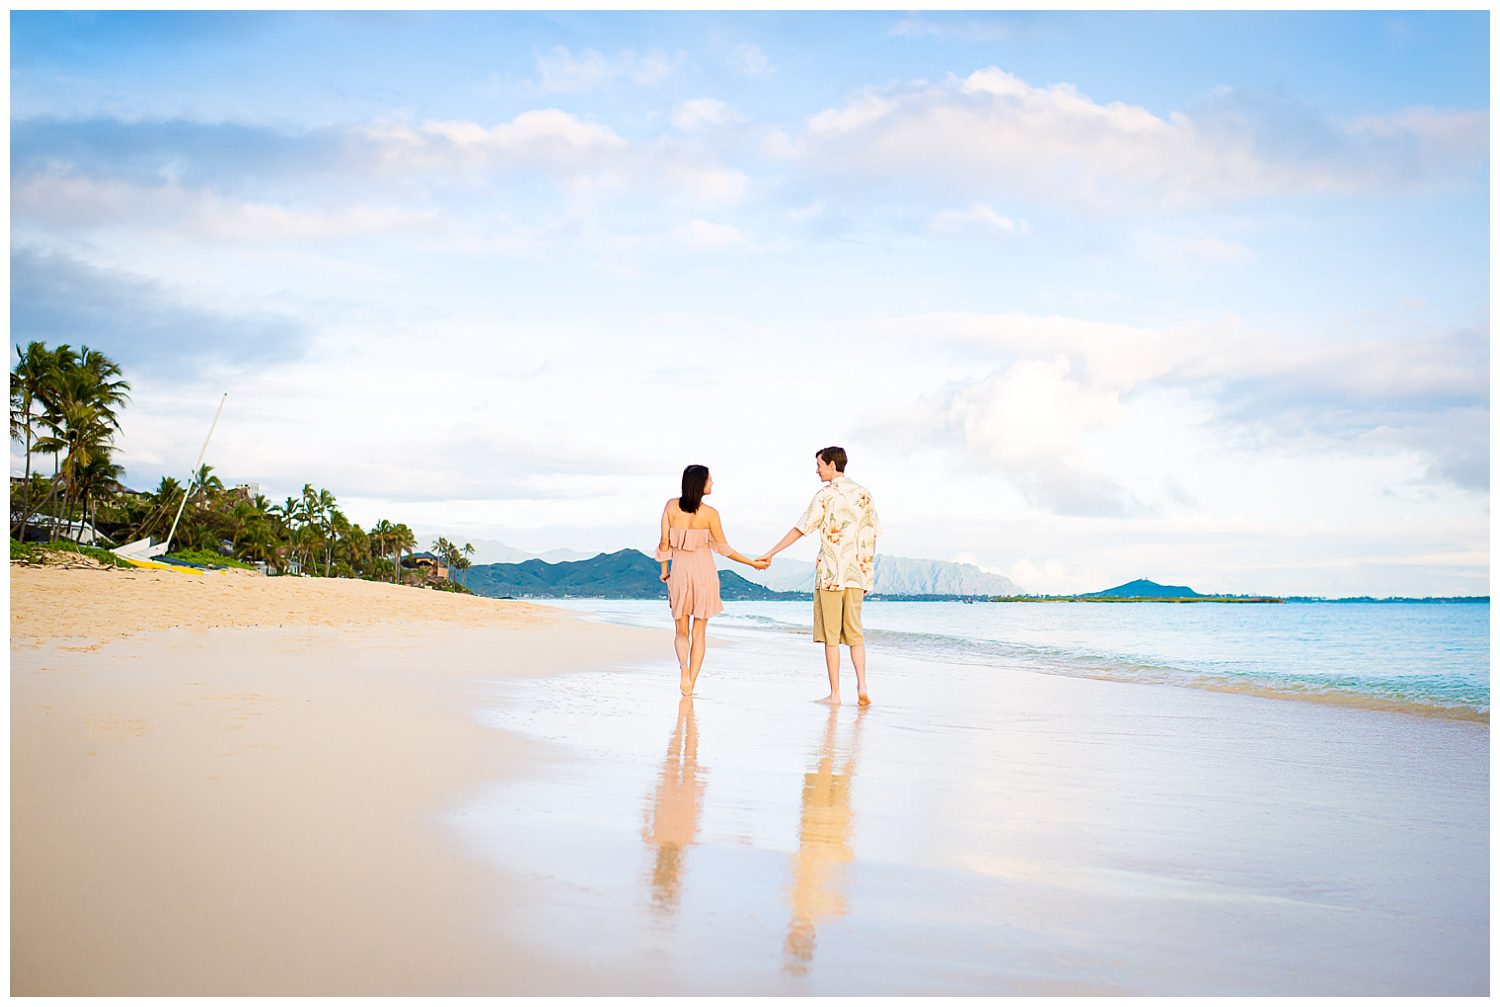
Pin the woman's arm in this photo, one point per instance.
(665, 546)
(721, 544)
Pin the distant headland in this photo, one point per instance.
(1143, 590)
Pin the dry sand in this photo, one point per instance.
(229, 784)
(110, 604)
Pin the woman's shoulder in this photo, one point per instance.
(708, 510)
(675, 503)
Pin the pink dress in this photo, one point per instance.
(693, 586)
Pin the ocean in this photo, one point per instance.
(1408, 657)
(1001, 821)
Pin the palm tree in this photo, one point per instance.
(338, 534)
(402, 540)
(382, 534)
(100, 476)
(242, 518)
(35, 369)
(463, 561)
(260, 542)
(210, 485)
(79, 395)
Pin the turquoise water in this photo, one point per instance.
(1422, 658)
(982, 828)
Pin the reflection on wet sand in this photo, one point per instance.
(672, 818)
(823, 847)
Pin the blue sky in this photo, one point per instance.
(1197, 297)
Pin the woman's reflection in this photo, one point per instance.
(823, 848)
(672, 819)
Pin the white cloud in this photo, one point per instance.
(977, 220)
(546, 138)
(749, 59)
(707, 235)
(75, 202)
(698, 112)
(561, 70)
(972, 30)
(994, 132)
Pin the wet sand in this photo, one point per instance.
(362, 792)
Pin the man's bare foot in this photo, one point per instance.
(864, 699)
(831, 699)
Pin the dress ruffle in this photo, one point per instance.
(693, 586)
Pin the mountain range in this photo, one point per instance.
(893, 575)
(628, 573)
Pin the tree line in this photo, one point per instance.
(65, 406)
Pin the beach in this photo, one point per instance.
(240, 799)
(241, 785)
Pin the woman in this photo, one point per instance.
(690, 534)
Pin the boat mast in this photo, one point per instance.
(187, 492)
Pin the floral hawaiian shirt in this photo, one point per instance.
(844, 513)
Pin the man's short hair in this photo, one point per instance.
(835, 457)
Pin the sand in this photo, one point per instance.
(229, 784)
(235, 785)
(111, 604)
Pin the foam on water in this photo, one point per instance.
(1415, 658)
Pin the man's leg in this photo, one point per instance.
(831, 656)
(857, 655)
(854, 635)
(827, 612)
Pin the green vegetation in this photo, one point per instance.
(208, 558)
(65, 404)
(42, 552)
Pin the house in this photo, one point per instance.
(428, 563)
(39, 528)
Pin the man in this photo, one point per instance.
(844, 515)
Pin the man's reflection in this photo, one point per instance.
(823, 849)
(672, 819)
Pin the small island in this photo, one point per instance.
(1146, 591)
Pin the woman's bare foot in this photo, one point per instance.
(832, 699)
(864, 699)
(686, 684)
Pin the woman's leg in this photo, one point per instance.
(682, 643)
(700, 644)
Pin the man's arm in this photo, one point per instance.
(786, 540)
(811, 519)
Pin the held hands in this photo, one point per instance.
(760, 564)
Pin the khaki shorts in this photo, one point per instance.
(836, 617)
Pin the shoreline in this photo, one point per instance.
(890, 642)
(317, 788)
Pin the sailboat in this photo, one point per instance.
(143, 551)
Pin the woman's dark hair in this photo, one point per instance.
(694, 479)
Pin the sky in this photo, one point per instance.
(1196, 297)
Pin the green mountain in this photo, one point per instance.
(628, 573)
(1145, 589)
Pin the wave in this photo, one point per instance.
(1425, 695)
